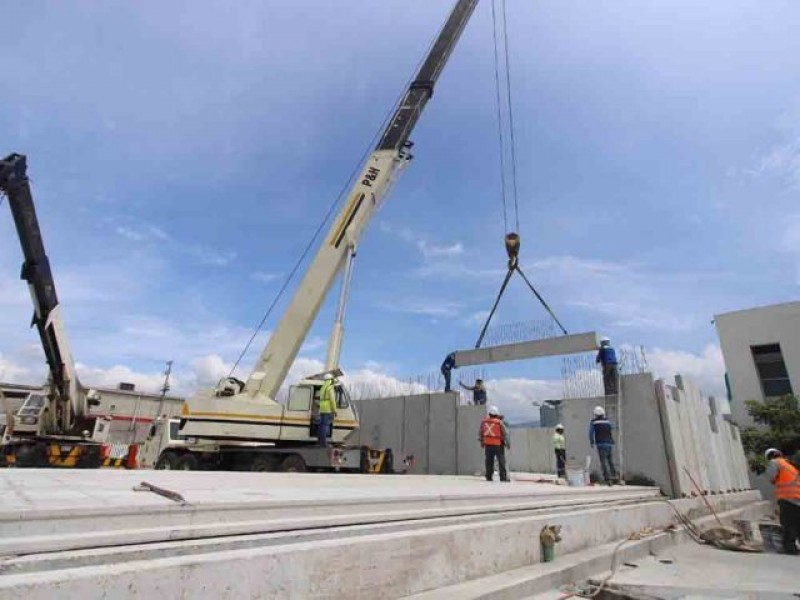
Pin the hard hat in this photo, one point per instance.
(768, 454)
(559, 426)
(605, 340)
(599, 411)
(494, 411)
(328, 376)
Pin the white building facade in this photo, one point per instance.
(761, 348)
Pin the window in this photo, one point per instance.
(299, 399)
(771, 370)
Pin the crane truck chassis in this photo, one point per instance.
(166, 448)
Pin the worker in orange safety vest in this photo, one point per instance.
(494, 438)
(786, 478)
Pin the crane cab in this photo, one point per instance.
(230, 413)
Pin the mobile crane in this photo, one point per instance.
(54, 428)
(239, 424)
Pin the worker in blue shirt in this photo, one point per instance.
(600, 435)
(447, 366)
(607, 359)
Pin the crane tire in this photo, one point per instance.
(188, 462)
(168, 461)
(293, 463)
(264, 464)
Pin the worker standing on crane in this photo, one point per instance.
(494, 438)
(560, 447)
(478, 391)
(607, 359)
(601, 435)
(327, 409)
(786, 479)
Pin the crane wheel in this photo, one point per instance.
(188, 462)
(167, 462)
(264, 464)
(293, 463)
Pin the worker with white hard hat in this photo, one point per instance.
(493, 436)
(601, 435)
(327, 409)
(560, 447)
(607, 359)
(786, 479)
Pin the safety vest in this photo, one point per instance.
(492, 431)
(787, 483)
(326, 398)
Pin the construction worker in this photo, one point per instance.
(786, 479)
(447, 366)
(607, 359)
(494, 438)
(600, 434)
(327, 409)
(478, 391)
(560, 447)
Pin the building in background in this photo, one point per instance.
(131, 412)
(761, 349)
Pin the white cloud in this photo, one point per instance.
(142, 233)
(209, 369)
(782, 161)
(210, 257)
(429, 250)
(13, 372)
(433, 309)
(637, 316)
(113, 376)
(263, 277)
(706, 370)
(515, 397)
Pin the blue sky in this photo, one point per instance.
(182, 154)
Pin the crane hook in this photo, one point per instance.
(512, 248)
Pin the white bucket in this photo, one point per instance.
(576, 478)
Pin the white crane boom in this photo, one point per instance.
(251, 413)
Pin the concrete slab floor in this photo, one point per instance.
(693, 571)
(53, 489)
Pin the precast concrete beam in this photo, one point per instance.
(557, 346)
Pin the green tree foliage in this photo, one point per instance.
(781, 420)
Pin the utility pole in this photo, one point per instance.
(164, 389)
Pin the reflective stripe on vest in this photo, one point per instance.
(787, 483)
(492, 432)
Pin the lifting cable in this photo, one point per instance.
(512, 240)
(368, 149)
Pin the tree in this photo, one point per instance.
(781, 418)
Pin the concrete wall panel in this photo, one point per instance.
(442, 445)
(416, 415)
(470, 453)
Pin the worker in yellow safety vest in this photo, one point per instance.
(786, 478)
(327, 409)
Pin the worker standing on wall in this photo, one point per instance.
(601, 435)
(478, 391)
(607, 359)
(560, 447)
(327, 409)
(494, 438)
(447, 366)
(786, 479)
